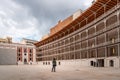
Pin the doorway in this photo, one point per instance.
(100, 62)
(111, 63)
(25, 61)
(91, 63)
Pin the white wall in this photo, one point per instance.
(8, 56)
(116, 62)
(86, 62)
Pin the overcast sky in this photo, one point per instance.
(33, 19)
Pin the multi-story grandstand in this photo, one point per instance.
(87, 38)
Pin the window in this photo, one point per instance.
(111, 63)
(84, 34)
(30, 54)
(25, 50)
(19, 50)
(71, 39)
(91, 31)
(91, 63)
(92, 53)
(40, 49)
(111, 20)
(31, 50)
(100, 26)
(77, 37)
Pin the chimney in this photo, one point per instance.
(59, 21)
(94, 1)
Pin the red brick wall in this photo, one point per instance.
(30, 53)
(19, 52)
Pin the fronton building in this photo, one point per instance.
(87, 38)
(26, 54)
(18, 53)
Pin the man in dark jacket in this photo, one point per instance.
(54, 65)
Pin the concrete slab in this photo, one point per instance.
(38, 72)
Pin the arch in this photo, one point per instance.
(111, 63)
(92, 63)
(25, 61)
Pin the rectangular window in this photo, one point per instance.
(25, 50)
(31, 51)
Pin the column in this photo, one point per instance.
(118, 36)
(105, 62)
(96, 43)
(87, 45)
(74, 46)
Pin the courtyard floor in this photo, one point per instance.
(37, 72)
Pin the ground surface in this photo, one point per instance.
(37, 72)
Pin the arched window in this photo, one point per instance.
(25, 61)
(19, 49)
(91, 63)
(111, 63)
(25, 50)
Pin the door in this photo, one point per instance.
(100, 62)
(25, 61)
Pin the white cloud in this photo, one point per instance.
(33, 18)
(15, 21)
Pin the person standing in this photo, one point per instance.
(54, 65)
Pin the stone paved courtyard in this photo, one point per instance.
(37, 72)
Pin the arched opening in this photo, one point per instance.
(111, 63)
(25, 61)
(91, 63)
(100, 62)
